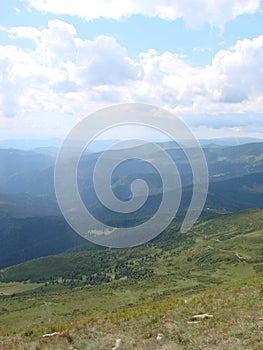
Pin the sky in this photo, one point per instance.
(61, 60)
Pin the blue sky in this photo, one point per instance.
(61, 60)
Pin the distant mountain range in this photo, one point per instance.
(100, 144)
(31, 223)
(32, 172)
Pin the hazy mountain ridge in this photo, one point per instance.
(33, 173)
(28, 205)
(226, 195)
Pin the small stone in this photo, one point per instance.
(50, 334)
(201, 317)
(159, 336)
(117, 344)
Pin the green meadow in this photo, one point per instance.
(93, 298)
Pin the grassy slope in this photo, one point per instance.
(209, 249)
(236, 309)
(215, 268)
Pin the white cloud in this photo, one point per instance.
(64, 74)
(23, 32)
(62, 71)
(232, 83)
(236, 74)
(104, 62)
(194, 12)
(11, 87)
(57, 42)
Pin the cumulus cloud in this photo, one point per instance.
(23, 32)
(194, 12)
(63, 73)
(233, 82)
(62, 64)
(236, 74)
(57, 41)
(104, 62)
(10, 96)
(10, 86)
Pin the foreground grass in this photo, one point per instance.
(236, 308)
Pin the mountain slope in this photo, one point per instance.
(28, 235)
(238, 193)
(25, 239)
(20, 171)
(147, 296)
(94, 319)
(32, 172)
(28, 205)
(204, 254)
